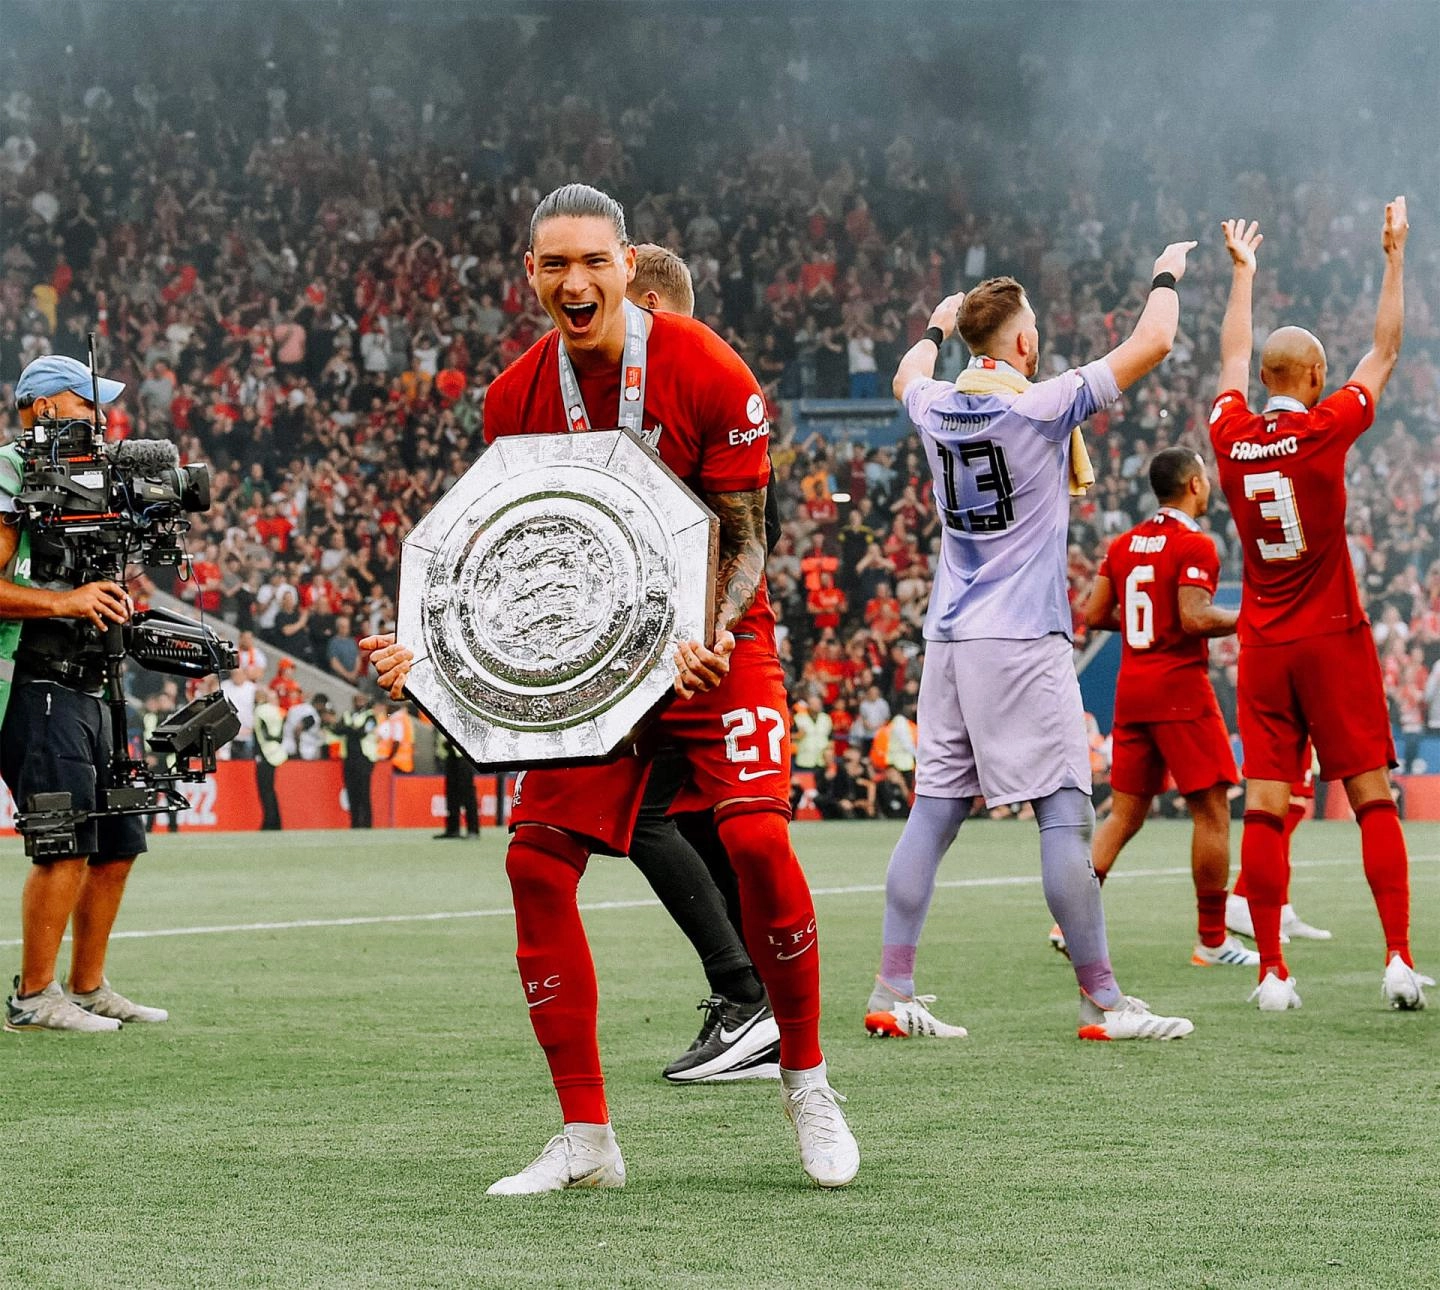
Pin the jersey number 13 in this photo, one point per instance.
(993, 476)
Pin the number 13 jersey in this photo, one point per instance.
(1164, 671)
(1283, 472)
(1000, 465)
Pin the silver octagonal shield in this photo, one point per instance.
(545, 593)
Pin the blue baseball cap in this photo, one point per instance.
(54, 373)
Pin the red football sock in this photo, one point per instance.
(1211, 907)
(1266, 870)
(779, 919)
(1240, 889)
(556, 970)
(1387, 870)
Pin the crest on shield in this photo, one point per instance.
(545, 593)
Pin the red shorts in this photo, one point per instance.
(736, 739)
(1325, 688)
(1195, 750)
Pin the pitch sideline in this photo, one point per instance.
(507, 911)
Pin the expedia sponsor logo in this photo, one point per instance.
(1286, 447)
(750, 434)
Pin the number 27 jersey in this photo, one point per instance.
(1283, 473)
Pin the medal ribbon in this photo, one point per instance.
(632, 378)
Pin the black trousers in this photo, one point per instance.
(460, 793)
(357, 790)
(269, 803)
(689, 870)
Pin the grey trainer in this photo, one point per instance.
(51, 1010)
(109, 1002)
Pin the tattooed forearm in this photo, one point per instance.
(742, 553)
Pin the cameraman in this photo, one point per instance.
(55, 738)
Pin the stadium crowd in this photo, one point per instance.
(312, 289)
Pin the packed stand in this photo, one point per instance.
(309, 272)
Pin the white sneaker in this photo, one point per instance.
(1401, 987)
(569, 1160)
(51, 1010)
(1229, 952)
(1057, 940)
(1237, 916)
(1291, 924)
(1275, 994)
(1131, 1018)
(828, 1150)
(109, 1002)
(908, 1017)
(1239, 921)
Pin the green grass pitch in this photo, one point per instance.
(331, 1099)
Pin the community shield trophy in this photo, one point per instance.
(545, 593)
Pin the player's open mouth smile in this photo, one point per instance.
(580, 316)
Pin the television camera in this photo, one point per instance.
(93, 508)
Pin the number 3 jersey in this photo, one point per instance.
(1283, 472)
(1164, 671)
(1000, 463)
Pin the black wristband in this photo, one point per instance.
(1163, 280)
(934, 334)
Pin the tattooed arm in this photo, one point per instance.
(742, 553)
(742, 565)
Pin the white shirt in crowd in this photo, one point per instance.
(304, 735)
(242, 698)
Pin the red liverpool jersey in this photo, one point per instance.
(704, 412)
(1164, 671)
(1283, 473)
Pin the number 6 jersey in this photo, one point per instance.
(1164, 671)
(999, 458)
(1283, 472)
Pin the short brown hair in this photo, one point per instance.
(659, 269)
(986, 309)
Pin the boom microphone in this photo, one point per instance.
(145, 455)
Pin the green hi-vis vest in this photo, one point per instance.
(17, 571)
(269, 734)
(364, 724)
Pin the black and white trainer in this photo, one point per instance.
(736, 1041)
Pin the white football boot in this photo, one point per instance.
(828, 1150)
(582, 1156)
(1293, 926)
(1275, 994)
(1239, 921)
(1401, 986)
(1229, 953)
(892, 1015)
(1237, 916)
(1131, 1018)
